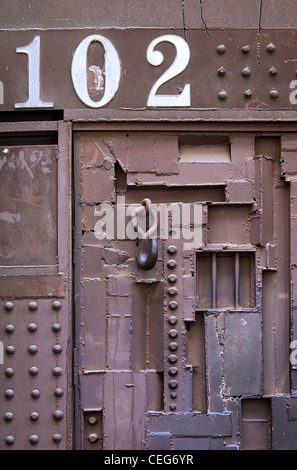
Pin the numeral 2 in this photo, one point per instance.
(179, 64)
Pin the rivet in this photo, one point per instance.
(173, 334)
(32, 327)
(245, 49)
(34, 416)
(34, 439)
(173, 346)
(9, 440)
(8, 416)
(93, 437)
(35, 393)
(273, 71)
(173, 395)
(172, 358)
(173, 384)
(221, 49)
(246, 72)
(57, 349)
(171, 263)
(221, 72)
(173, 305)
(172, 278)
(172, 407)
(92, 420)
(172, 291)
(10, 349)
(57, 371)
(173, 371)
(273, 94)
(32, 349)
(56, 327)
(33, 306)
(270, 47)
(9, 393)
(58, 415)
(57, 437)
(222, 95)
(172, 249)
(9, 329)
(56, 305)
(9, 372)
(58, 392)
(33, 370)
(172, 320)
(8, 306)
(247, 94)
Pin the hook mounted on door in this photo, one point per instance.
(147, 252)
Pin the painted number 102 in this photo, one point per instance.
(108, 77)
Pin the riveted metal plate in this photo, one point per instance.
(244, 70)
(34, 381)
(35, 292)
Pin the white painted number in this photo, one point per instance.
(180, 63)
(33, 53)
(293, 94)
(112, 71)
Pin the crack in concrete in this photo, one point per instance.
(259, 33)
(184, 22)
(203, 22)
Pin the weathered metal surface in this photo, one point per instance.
(198, 352)
(192, 337)
(28, 216)
(249, 73)
(35, 290)
(34, 387)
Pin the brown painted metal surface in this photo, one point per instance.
(184, 344)
(227, 69)
(35, 292)
(198, 352)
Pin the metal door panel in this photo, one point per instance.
(165, 357)
(35, 292)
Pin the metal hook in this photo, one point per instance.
(147, 252)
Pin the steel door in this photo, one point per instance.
(35, 286)
(192, 353)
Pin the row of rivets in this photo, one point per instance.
(9, 306)
(172, 320)
(221, 49)
(57, 415)
(32, 327)
(246, 71)
(33, 439)
(9, 393)
(33, 370)
(222, 95)
(32, 349)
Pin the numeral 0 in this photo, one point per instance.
(112, 71)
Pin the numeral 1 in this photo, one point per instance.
(33, 53)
